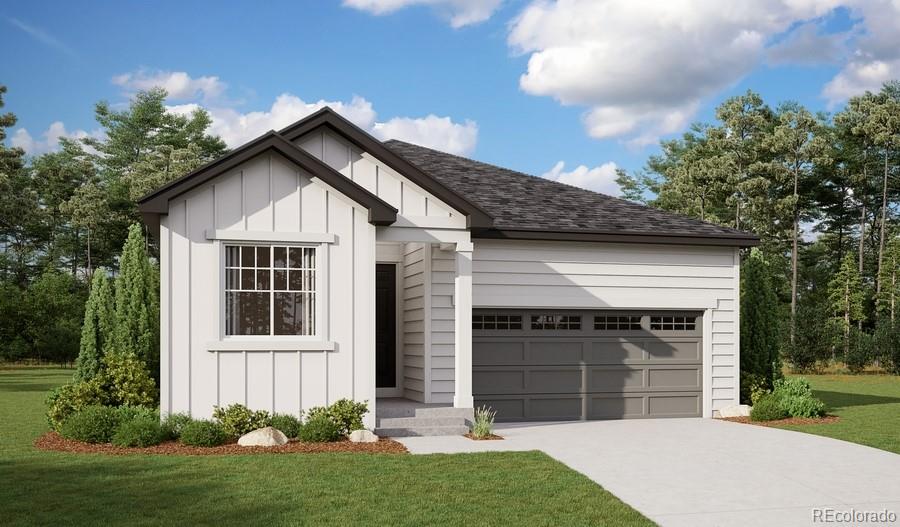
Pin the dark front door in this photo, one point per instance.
(385, 325)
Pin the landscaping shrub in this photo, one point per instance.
(320, 428)
(143, 430)
(288, 424)
(93, 424)
(70, 398)
(127, 413)
(767, 408)
(484, 422)
(346, 414)
(173, 424)
(129, 380)
(237, 419)
(795, 396)
(203, 433)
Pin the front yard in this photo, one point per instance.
(41, 488)
(868, 407)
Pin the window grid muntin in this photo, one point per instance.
(617, 322)
(496, 321)
(673, 323)
(234, 267)
(556, 322)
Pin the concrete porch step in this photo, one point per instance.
(457, 430)
(418, 422)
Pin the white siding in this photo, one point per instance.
(443, 273)
(517, 274)
(268, 194)
(416, 206)
(416, 264)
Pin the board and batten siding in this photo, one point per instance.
(519, 274)
(268, 194)
(416, 206)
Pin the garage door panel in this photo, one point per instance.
(615, 352)
(673, 350)
(616, 406)
(494, 352)
(555, 351)
(600, 367)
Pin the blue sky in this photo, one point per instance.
(518, 83)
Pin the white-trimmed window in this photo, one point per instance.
(270, 290)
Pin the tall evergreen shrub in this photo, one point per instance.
(760, 361)
(97, 330)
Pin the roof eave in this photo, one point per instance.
(722, 240)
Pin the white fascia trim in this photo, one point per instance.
(268, 236)
(269, 345)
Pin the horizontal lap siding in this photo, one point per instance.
(443, 273)
(620, 276)
(267, 193)
(415, 267)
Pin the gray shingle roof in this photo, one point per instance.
(519, 201)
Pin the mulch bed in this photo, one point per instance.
(492, 437)
(55, 442)
(828, 419)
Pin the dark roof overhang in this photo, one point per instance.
(723, 240)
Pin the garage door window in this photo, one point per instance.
(617, 323)
(673, 323)
(496, 322)
(556, 322)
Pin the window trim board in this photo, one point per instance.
(270, 237)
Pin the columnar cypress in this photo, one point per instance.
(137, 303)
(98, 328)
(760, 361)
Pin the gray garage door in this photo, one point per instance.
(533, 365)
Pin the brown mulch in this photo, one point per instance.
(55, 442)
(828, 419)
(492, 437)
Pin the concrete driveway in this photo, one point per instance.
(696, 472)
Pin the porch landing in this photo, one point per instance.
(397, 417)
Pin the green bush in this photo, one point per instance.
(288, 424)
(484, 422)
(129, 380)
(173, 424)
(93, 424)
(127, 413)
(793, 386)
(767, 408)
(795, 396)
(143, 430)
(70, 398)
(319, 428)
(346, 414)
(203, 433)
(237, 419)
(886, 340)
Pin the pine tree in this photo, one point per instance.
(845, 299)
(98, 328)
(137, 303)
(889, 293)
(760, 361)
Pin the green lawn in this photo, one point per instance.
(44, 488)
(868, 405)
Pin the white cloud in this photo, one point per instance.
(178, 84)
(432, 131)
(460, 12)
(643, 67)
(807, 45)
(23, 139)
(599, 179)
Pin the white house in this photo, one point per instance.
(318, 263)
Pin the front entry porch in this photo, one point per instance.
(423, 321)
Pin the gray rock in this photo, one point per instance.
(363, 436)
(267, 436)
(735, 410)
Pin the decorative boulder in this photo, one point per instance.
(363, 436)
(267, 436)
(735, 410)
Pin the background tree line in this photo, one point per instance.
(821, 192)
(66, 213)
